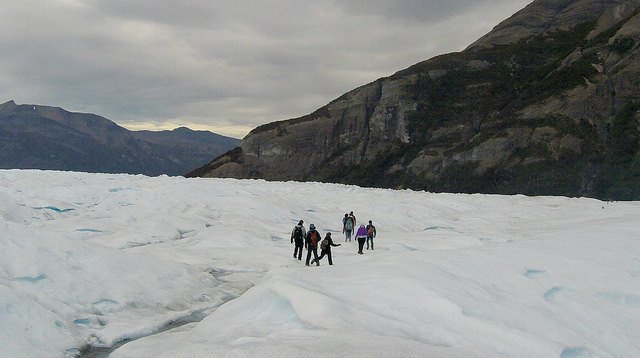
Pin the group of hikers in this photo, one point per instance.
(310, 240)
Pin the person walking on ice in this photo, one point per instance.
(353, 218)
(361, 236)
(311, 243)
(297, 237)
(347, 227)
(371, 233)
(325, 247)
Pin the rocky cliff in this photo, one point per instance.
(546, 103)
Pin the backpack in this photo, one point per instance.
(371, 231)
(348, 224)
(297, 232)
(313, 238)
(324, 243)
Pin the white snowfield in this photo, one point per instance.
(94, 259)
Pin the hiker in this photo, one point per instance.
(297, 237)
(311, 243)
(347, 227)
(361, 235)
(371, 233)
(353, 218)
(325, 247)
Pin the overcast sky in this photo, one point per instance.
(223, 65)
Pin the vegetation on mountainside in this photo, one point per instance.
(621, 162)
(487, 97)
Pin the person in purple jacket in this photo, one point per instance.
(361, 235)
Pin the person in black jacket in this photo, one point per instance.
(325, 246)
(371, 233)
(311, 243)
(298, 234)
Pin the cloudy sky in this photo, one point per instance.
(223, 65)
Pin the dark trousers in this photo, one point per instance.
(369, 238)
(361, 244)
(297, 251)
(325, 252)
(313, 249)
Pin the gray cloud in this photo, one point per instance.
(224, 65)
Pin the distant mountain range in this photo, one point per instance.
(548, 103)
(43, 137)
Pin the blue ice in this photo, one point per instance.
(533, 273)
(56, 209)
(31, 279)
(82, 321)
(550, 294)
(88, 230)
(115, 190)
(574, 352)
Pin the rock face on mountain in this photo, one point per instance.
(545, 104)
(42, 137)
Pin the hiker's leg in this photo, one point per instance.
(308, 256)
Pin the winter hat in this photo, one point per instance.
(312, 227)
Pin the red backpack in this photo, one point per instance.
(313, 238)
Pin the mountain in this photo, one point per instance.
(545, 104)
(43, 137)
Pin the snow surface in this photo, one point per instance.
(94, 259)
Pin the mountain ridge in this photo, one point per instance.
(550, 109)
(46, 137)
